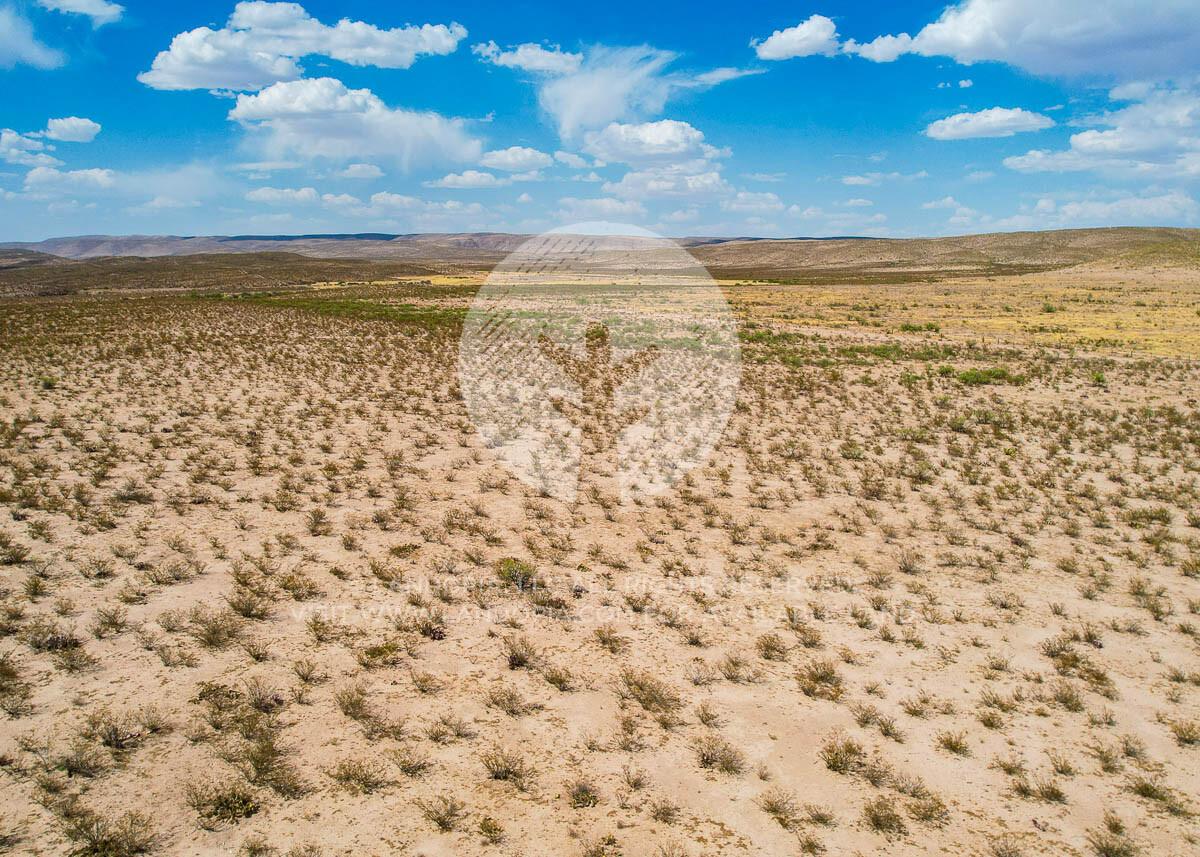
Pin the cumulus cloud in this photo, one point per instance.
(1156, 136)
(817, 35)
(961, 215)
(993, 122)
(25, 150)
(262, 44)
(748, 202)
(1171, 207)
(50, 177)
(339, 200)
(28, 150)
(361, 171)
(72, 129)
(667, 139)
(1105, 39)
(396, 208)
(530, 57)
(697, 179)
(283, 195)
(451, 213)
(820, 221)
(469, 179)
(571, 160)
(100, 11)
(19, 46)
(516, 159)
(321, 118)
(573, 208)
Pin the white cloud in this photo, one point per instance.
(361, 171)
(385, 199)
(414, 212)
(682, 215)
(524, 199)
(1107, 39)
(1165, 208)
(159, 204)
(667, 139)
(747, 202)
(516, 159)
(261, 170)
(962, 214)
(858, 202)
(19, 46)
(72, 129)
(262, 43)
(572, 208)
(1155, 209)
(340, 200)
(321, 118)
(283, 195)
(612, 84)
(966, 83)
(694, 179)
(100, 11)
(469, 179)
(49, 177)
(817, 35)
(724, 75)
(1157, 136)
(141, 193)
(881, 49)
(875, 178)
(824, 222)
(765, 177)
(993, 122)
(530, 57)
(24, 150)
(571, 160)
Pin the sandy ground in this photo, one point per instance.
(266, 590)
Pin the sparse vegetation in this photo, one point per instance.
(259, 558)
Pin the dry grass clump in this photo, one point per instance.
(507, 766)
(716, 753)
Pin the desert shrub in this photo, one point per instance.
(444, 812)
(716, 753)
(650, 692)
(222, 802)
(820, 679)
(508, 766)
(91, 835)
(359, 776)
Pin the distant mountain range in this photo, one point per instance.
(362, 245)
(61, 265)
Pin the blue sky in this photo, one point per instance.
(915, 118)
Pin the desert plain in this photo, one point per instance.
(267, 591)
